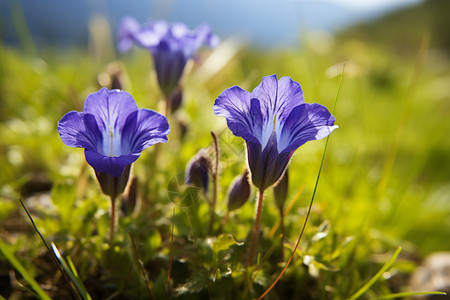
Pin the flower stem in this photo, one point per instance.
(215, 172)
(113, 220)
(282, 233)
(256, 226)
(166, 106)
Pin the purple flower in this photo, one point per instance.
(274, 120)
(112, 130)
(170, 44)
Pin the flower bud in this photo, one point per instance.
(113, 186)
(113, 77)
(197, 171)
(129, 198)
(280, 190)
(239, 191)
(183, 128)
(175, 100)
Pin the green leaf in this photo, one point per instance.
(196, 283)
(224, 242)
(21, 269)
(72, 273)
(410, 294)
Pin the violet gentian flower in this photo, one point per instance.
(113, 132)
(171, 46)
(274, 120)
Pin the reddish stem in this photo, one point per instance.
(113, 219)
(282, 234)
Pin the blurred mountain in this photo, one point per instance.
(262, 22)
(404, 29)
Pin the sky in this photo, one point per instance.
(372, 4)
(262, 22)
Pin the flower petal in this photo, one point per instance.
(306, 122)
(143, 129)
(110, 108)
(79, 130)
(278, 98)
(266, 93)
(179, 30)
(127, 28)
(151, 34)
(289, 95)
(203, 35)
(109, 164)
(242, 113)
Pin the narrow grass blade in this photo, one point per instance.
(377, 276)
(141, 266)
(410, 294)
(70, 270)
(21, 27)
(83, 291)
(21, 269)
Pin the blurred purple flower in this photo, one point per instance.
(274, 120)
(170, 44)
(197, 171)
(112, 130)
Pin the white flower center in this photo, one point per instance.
(112, 144)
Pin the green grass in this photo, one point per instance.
(361, 214)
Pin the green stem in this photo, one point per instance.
(256, 228)
(167, 107)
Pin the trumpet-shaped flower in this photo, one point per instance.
(171, 46)
(112, 130)
(274, 120)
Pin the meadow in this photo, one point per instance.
(383, 187)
